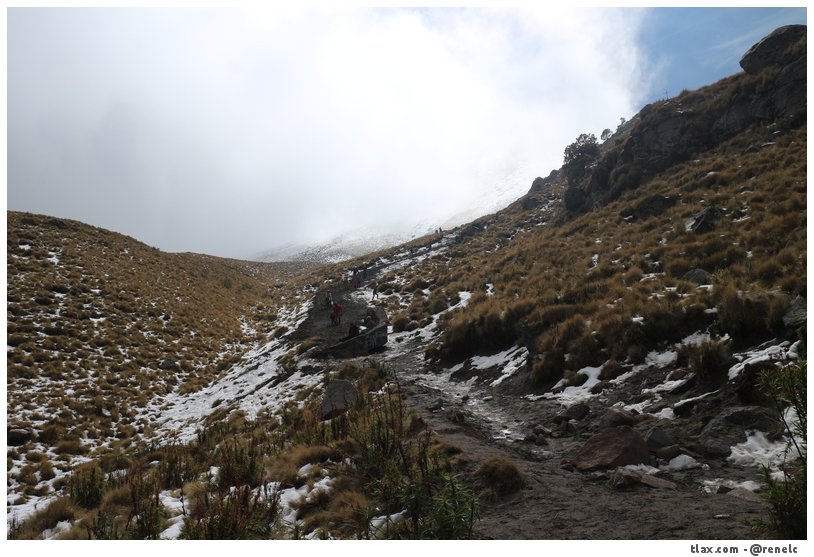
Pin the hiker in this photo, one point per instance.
(353, 330)
(375, 292)
(337, 314)
(329, 301)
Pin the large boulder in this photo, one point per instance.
(728, 428)
(339, 396)
(612, 447)
(770, 50)
(18, 436)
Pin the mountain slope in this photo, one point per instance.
(651, 293)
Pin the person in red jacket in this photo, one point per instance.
(336, 316)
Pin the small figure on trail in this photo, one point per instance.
(353, 330)
(375, 292)
(337, 314)
(329, 300)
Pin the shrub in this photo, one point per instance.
(787, 497)
(710, 361)
(500, 475)
(241, 514)
(87, 485)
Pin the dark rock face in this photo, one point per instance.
(339, 396)
(574, 199)
(612, 447)
(729, 428)
(770, 50)
(796, 316)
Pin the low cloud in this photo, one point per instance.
(232, 132)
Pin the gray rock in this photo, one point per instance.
(698, 276)
(729, 428)
(612, 447)
(616, 417)
(770, 50)
(167, 364)
(746, 495)
(339, 396)
(656, 438)
(17, 437)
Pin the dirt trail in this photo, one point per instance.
(554, 503)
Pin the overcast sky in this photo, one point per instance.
(232, 132)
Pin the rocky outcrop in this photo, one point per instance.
(612, 447)
(705, 220)
(541, 183)
(771, 50)
(728, 428)
(671, 131)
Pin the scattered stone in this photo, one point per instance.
(488, 398)
(612, 447)
(565, 465)
(624, 477)
(678, 374)
(340, 394)
(437, 405)
(17, 437)
(724, 515)
(698, 276)
(540, 440)
(657, 483)
(747, 495)
(530, 438)
(656, 438)
(574, 412)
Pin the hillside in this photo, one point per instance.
(631, 308)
